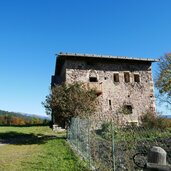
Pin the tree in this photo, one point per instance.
(70, 100)
(163, 82)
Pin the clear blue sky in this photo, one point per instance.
(33, 31)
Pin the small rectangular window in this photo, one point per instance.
(127, 109)
(136, 78)
(116, 77)
(93, 79)
(110, 104)
(126, 77)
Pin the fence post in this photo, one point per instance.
(156, 160)
(113, 147)
(77, 133)
(89, 148)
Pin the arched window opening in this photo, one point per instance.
(93, 76)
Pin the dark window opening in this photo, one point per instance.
(127, 109)
(116, 77)
(93, 79)
(126, 77)
(93, 76)
(136, 78)
(105, 78)
(110, 104)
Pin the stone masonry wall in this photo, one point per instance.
(116, 94)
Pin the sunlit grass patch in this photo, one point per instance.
(36, 148)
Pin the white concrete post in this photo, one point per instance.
(156, 160)
(157, 155)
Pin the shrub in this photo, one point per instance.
(106, 130)
(152, 120)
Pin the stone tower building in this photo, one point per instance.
(122, 83)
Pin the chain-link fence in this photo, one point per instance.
(116, 148)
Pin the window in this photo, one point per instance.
(93, 76)
(151, 95)
(116, 77)
(136, 78)
(126, 77)
(93, 79)
(127, 109)
(110, 104)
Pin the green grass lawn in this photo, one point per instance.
(36, 148)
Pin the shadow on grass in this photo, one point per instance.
(27, 125)
(17, 138)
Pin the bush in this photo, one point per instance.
(152, 120)
(106, 130)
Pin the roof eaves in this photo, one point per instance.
(106, 56)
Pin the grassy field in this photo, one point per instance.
(36, 148)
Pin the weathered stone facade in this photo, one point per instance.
(121, 83)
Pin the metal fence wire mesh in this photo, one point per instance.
(116, 148)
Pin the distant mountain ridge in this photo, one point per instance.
(36, 116)
(166, 116)
(25, 115)
(21, 119)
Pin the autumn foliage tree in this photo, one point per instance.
(163, 82)
(70, 100)
(14, 118)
